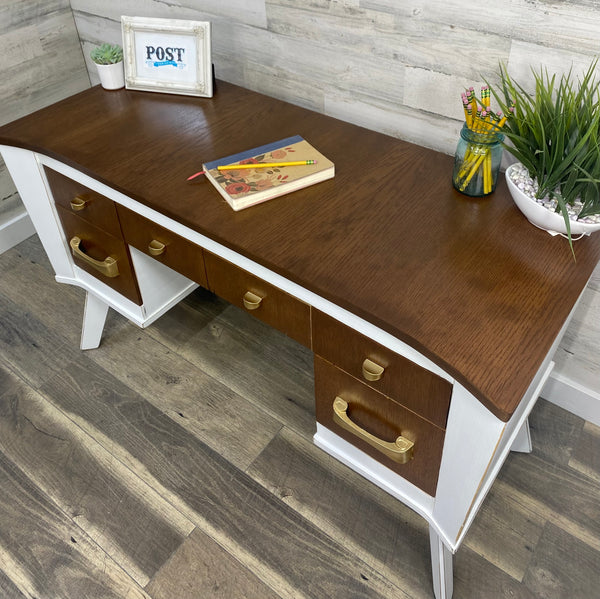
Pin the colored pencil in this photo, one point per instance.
(235, 167)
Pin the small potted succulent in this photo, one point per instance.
(554, 133)
(109, 61)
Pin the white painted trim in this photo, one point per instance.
(441, 567)
(29, 180)
(505, 442)
(522, 442)
(570, 395)
(355, 322)
(94, 317)
(16, 229)
(374, 471)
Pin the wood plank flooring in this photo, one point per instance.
(176, 462)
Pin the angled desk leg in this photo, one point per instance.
(441, 556)
(522, 442)
(94, 317)
(441, 566)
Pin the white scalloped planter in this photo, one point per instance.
(542, 217)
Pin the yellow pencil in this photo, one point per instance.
(235, 167)
(474, 169)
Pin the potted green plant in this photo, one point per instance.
(554, 133)
(109, 61)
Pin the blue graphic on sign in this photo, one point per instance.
(157, 56)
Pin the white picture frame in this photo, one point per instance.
(167, 55)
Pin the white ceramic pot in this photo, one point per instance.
(112, 76)
(541, 217)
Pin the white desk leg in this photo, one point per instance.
(94, 317)
(522, 440)
(441, 567)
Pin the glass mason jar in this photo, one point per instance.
(477, 162)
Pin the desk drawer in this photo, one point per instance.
(411, 385)
(269, 304)
(383, 419)
(94, 251)
(87, 204)
(165, 246)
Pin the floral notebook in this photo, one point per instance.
(243, 188)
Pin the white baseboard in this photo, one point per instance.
(572, 396)
(16, 229)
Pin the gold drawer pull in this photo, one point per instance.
(371, 370)
(400, 451)
(156, 248)
(108, 267)
(78, 203)
(251, 300)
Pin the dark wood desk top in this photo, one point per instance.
(468, 282)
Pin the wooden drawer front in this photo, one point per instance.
(408, 383)
(99, 245)
(165, 246)
(84, 202)
(277, 308)
(383, 418)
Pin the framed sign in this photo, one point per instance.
(167, 55)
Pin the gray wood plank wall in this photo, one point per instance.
(40, 63)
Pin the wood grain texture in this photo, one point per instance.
(390, 536)
(41, 548)
(277, 308)
(197, 381)
(128, 520)
(551, 577)
(238, 513)
(393, 67)
(178, 253)
(487, 311)
(99, 245)
(29, 343)
(198, 402)
(206, 407)
(201, 568)
(417, 389)
(9, 588)
(320, 528)
(382, 417)
(586, 455)
(99, 210)
(553, 431)
(62, 303)
(505, 533)
(234, 348)
(559, 494)
(492, 582)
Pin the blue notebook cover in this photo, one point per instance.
(253, 152)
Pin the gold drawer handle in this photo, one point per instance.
(400, 451)
(156, 248)
(371, 370)
(251, 300)
(108, 267)
(78, 203)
